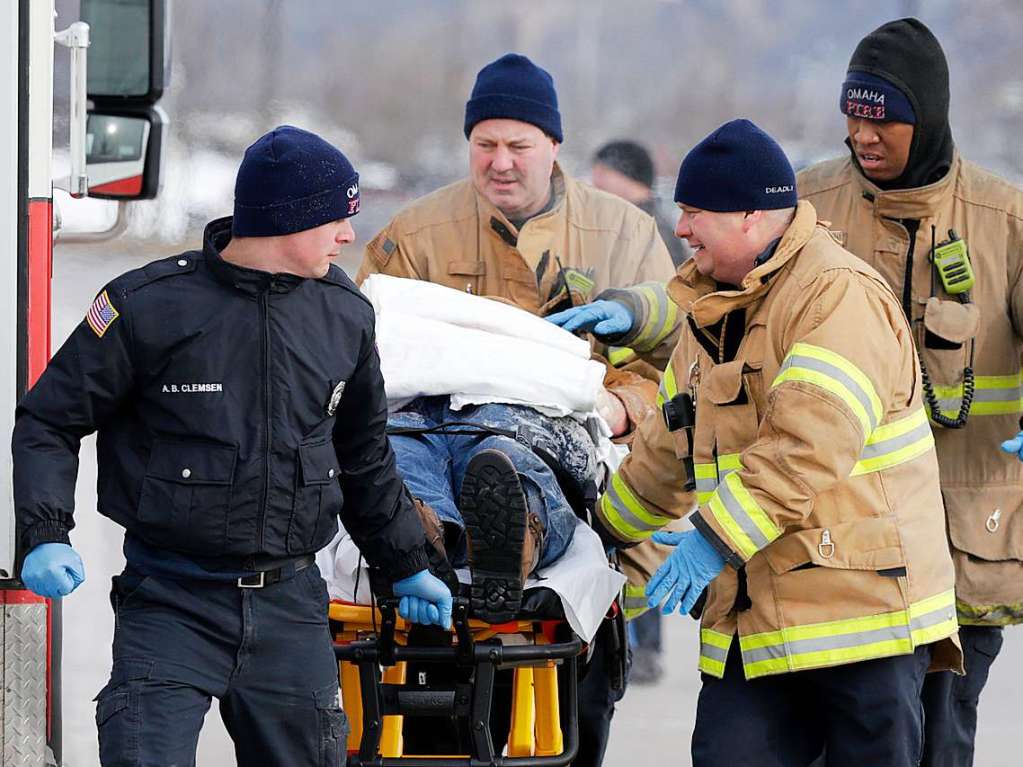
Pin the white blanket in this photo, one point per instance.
(581, 578)
(434, 340)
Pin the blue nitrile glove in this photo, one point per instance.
(424, 599)
(685, 573)
(602, 318)
(52, 570)
(1014, 445)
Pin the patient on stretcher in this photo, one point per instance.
(493, 420)
(487, 496)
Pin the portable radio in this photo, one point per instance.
(953, 264)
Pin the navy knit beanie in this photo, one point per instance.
(875, 98)
(291, 180)
(515, 88)
(738, 167)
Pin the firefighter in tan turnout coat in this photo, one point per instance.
(819, 533)
(520, 229)
(893, 201)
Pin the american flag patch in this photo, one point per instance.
(101, 314)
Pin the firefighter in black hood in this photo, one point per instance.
(948, 237)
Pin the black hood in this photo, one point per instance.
(909, 56)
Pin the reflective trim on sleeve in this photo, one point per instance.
(625, 515)
(837, 375)
(746, 525)
(992, 395)
(619, 355)
(668, 388)
(661, 316)
(897, 442)
(849, 641)
(709, 474)
(706, 481)
(634, 601)
(714, 651)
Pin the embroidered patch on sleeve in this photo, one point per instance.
(101, 314)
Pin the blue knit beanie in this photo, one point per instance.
(738, 167)
(291, 180)
(875, 98)
(515, 88)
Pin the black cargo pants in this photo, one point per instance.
(264, 653)
(950, 701)
(866, 713)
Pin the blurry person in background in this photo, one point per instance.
(626, 169)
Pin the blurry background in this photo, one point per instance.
(387, 81)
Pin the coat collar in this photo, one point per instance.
(699, 296)
(251, 281)
(919, 202)
(492, 218)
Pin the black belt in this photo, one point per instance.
(270, 577)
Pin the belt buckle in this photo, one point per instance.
(258, 585)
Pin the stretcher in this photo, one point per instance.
(395, 689)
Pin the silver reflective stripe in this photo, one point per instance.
(627, 516)
(823, 644)
(933, 618)
(634, 602)
(713, 652)
(731, 504)
(811, 363)
(706, 485)
(875, 449)
(983, 395)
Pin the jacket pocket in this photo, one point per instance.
(317, 497)
(949, 329)
(865, 544)
(985, 521)
(729, 395)
(186, 495)
(830, 573)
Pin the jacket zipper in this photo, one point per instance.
(912, 227)
(264, 310)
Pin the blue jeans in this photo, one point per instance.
(433, 465)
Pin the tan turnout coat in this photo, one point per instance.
(814, 466)
(981, 485)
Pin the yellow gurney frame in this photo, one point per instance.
(544, 709)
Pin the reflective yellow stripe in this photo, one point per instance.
(714, 651)
(894, 443)
(661, 316)
(668, 388)
(837, 375)
(992, 395)
(746, 525)
(619, 355)
(850, 640)
(634, 601)
(625, 515)
(728, 463)
(706, 481)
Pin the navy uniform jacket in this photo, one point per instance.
(235, 410)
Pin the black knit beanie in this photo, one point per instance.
(906, 54)
(628, 158)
